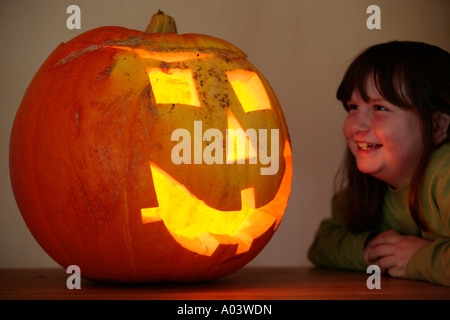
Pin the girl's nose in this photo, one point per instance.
(357, 123)
(361, 125)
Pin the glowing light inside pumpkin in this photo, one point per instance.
(249, 89)
(164, 56)
(172, 86)
(171, 56)
(188, 216)
(240, 144)
(200, 228)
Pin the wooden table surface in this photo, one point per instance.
(249, 283)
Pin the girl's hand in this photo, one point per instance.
(391, 251)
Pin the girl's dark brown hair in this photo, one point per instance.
(410, 75)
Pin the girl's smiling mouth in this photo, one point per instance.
(366, 146)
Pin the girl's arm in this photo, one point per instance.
(431, 263)
(335, 247)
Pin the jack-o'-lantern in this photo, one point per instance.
(150, 156)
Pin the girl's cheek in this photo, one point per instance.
(346, 129)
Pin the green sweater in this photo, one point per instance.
(335, 247)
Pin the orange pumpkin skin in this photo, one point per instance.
(84, 136)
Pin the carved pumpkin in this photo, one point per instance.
(122, 160)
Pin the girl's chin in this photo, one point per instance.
(373, 171)
(377, 174)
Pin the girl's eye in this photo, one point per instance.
(380, 108)
(352, 107)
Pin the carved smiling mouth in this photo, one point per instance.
(367, 146)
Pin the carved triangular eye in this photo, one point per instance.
(173, 86)
(249, 89)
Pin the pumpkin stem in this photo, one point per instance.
(161, 23)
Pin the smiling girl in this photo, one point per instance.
(392, 207)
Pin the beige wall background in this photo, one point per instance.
(302, 47)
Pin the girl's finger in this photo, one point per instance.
(387, 237)
(377, 252)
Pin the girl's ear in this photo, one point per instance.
(441, 122)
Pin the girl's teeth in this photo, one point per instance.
(367, 146)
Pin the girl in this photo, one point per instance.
(393, 206)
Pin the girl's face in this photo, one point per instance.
(385, 139)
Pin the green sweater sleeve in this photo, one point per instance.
(335, 247)
(431, 263)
